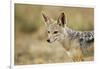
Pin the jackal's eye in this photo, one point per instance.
(55, 32)
(48, 31)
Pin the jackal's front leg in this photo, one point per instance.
(77, 56)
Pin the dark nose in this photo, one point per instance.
(48, 40)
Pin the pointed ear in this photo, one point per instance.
(62, 20)
(46, 18)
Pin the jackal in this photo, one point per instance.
(76, 43)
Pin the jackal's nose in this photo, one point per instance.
(48, 40)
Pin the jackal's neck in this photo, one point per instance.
(72, 33)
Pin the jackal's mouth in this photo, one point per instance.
(51, 41)
(55, 39)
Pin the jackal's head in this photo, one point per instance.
(55, 28)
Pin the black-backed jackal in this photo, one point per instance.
(76, 43)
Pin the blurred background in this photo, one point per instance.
(30, 32)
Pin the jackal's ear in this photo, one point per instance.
(62, 20)
(46, 18)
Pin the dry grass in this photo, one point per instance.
(32, 49)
